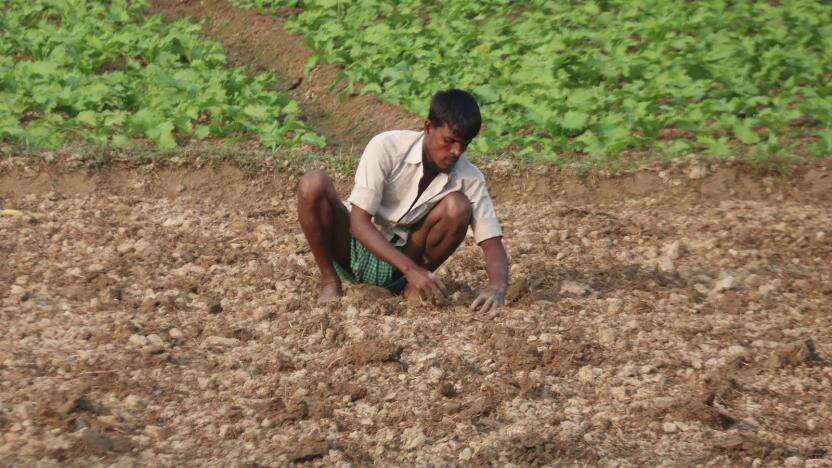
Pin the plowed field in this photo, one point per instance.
(168, 320)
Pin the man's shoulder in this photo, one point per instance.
(467, 170)
(394, 142)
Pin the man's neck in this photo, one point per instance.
(429, 168)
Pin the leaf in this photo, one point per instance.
(86, 117)
(257, 112)
(486, 94)
(678, 147)
(44, 68)
(574, 120)
(291, 108)
(120, 141)
(825, 139)
(162, 134)
(310, 65)
(201, 132)
(745, 134)
(313, 139)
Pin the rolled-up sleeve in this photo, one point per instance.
(370, 176)
(484, 220)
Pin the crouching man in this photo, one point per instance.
(414, 197)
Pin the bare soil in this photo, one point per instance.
(167, 319)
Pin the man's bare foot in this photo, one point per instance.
(330, 290)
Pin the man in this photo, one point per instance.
(414, 197)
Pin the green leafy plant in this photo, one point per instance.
(595, 77)
(104, 73)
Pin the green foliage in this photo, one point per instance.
(101, 72)
(596, 77)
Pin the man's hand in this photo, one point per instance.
(425, 284)
(496, 266)
(489, 299)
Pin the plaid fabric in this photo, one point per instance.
(368, 269)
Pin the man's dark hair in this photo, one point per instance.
(457, 109)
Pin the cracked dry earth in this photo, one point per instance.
(152, 330)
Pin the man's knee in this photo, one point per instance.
(312, 185)
(458, 207)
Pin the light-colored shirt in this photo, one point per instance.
(387, 182)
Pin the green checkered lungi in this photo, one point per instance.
(368, 269)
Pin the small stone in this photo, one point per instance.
(153, 348)
(587, 374)
(628, 370)
(154, 432)
(736, 350)
(669, 427)
(723, 284)
(673, 250)
(367, 410)
(793, 461)
(175, 333)
(351, 313)
(665, 265)
(679, 299)
(137, 340)
(619, 393)
(466, 454)
(766, 289)
(614, 305)
(125, 247)
(154, 339)
(413, 437)
(573, 287)
(697, 172)
(95, 441)
(701, 288)
(220, 341)
(606, 337)
(132, 402)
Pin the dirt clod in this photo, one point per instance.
(371, 351)
(308, 450)
(447, 390)
(793, 354)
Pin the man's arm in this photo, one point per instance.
(496, 267)
(363, 230)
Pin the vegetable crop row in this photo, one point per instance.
(715, 77)
(103, 72)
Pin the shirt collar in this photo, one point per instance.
(414, 156)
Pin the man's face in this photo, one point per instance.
(443, 147)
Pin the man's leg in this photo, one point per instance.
(439, 234)
(325, 222)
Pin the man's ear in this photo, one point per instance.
(428, 126)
